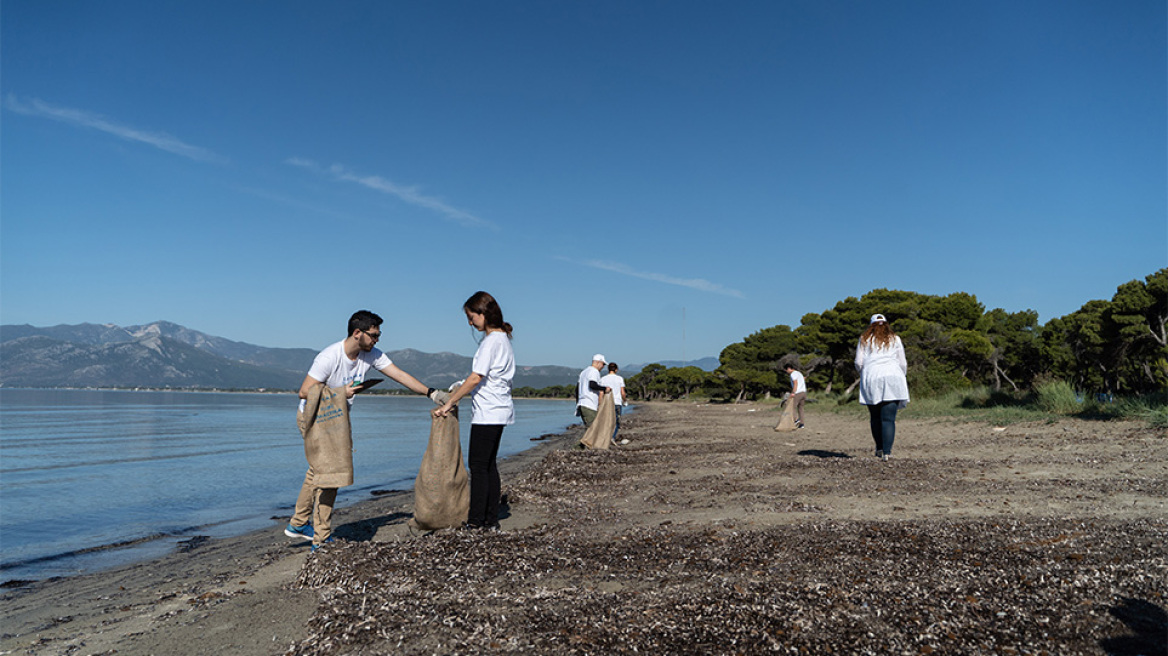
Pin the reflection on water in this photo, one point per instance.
(84, 468)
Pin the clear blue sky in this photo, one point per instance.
(259, 170)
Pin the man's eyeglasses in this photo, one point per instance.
(376, 336)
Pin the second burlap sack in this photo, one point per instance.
(442, 488)
(599, 434)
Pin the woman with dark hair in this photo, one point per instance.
(883, 386)
(489, 387)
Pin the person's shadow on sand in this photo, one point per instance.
(1147, 621)
(820, 453)
(363, 530)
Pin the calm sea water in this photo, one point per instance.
(81, 470)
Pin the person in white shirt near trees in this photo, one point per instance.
(798, 394)
(489, 386)
(883, 384)
(615, 384)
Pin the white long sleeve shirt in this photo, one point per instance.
(882, 373)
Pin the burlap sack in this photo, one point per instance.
(328, 440)
(599, 434)
(442, 488)
(787, 419)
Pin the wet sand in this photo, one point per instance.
(707, 533)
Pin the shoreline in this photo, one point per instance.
(112, 606)
(263, 390)
(706, 513)
(94, 553)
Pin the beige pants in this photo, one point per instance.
(315, 506)
(797, 402)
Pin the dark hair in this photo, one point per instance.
(612, 366)
(363, 320)
(486, 305)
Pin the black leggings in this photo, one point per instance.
(882, 418)
(484, 474)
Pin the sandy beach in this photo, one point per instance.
(707, 533)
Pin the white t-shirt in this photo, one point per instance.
(616, 383)
(491, 399)
(797, 383)
(333, 368)
(586, 397)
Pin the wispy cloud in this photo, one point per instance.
(81, 118)
(699, 284)
(292, 202)
(408, 194)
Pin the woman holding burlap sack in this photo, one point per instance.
(489, 387)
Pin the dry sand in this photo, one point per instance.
(707, 533)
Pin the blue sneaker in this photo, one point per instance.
(302, 532)
(317, 546)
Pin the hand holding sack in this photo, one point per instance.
(328, 440)
(599, 434)
(442, 488)
(787, 420)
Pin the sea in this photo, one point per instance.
(94, 479)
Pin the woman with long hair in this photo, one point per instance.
(883, 386)
(489, 387)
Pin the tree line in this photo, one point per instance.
(951, 342)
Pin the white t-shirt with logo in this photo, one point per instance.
(491, 399)
(616, 383)
(586, 397)
(333, 368)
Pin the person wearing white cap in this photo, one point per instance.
(589, 391)
(883, 385)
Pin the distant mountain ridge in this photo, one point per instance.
(167, 355)
(705, 364)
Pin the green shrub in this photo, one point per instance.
(1057, 397)
(1152, 408)
(936, 379)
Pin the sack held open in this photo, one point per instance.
(599, 434)
(787, 420)
(442, 488)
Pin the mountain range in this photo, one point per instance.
(166, 355)
(705, 364)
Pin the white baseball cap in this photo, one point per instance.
(599, 357)
(878, 317)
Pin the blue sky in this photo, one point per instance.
(652, 180)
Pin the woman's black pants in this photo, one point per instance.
(484, 474)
